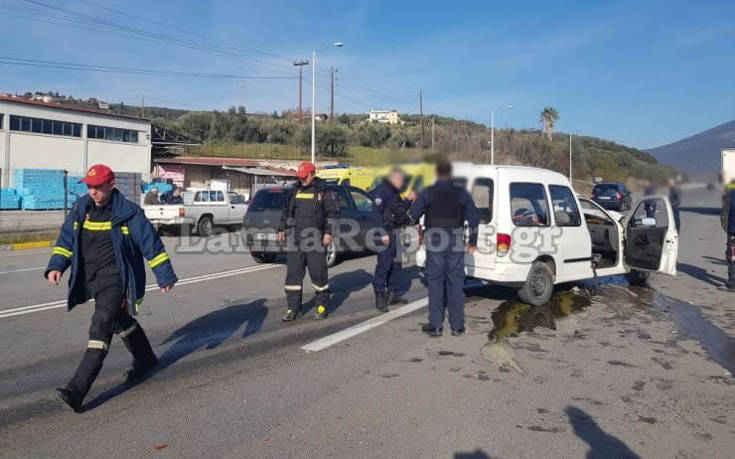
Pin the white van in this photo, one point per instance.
(536, 232)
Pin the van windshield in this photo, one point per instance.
(269, 200)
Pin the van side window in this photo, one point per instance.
(528, 204)
(565, 208)
(482, 195)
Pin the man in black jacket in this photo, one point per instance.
(310, 219)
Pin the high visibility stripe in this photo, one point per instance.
(305, 196)
(137, 305)
(58, 250)
(320, 289)
(76, 226)
(158, 259)
(97, 226)
(130, 330)
(97, 344)
(292, 288)
(125, 230)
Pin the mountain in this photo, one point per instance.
(700, 153)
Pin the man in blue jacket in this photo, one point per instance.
(104, 239)
(390, 213)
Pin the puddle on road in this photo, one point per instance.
(692, 324)
(514, 316)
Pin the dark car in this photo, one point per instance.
(613, 196)
(264, 213)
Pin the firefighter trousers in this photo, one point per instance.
(297, 261)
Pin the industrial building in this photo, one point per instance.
(40, 135)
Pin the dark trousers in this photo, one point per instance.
(677, 219)
(388, 267)
(730, 257)
(297, 261)
(445, 276)
(110, 316)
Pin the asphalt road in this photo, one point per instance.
(622, 376)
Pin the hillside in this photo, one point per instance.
(700, 153)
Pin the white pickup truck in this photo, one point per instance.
(202, 209)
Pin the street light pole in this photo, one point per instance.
(570, 159)
(492, 134)
(313, 107)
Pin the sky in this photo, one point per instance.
(641, 73)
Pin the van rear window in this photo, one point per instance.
(269, 200)
(528, 204)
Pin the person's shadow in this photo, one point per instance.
(341, 287)
(205, 332)
(602, 444)
(700, 274)
(715, 261)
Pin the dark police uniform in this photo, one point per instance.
(727, 219)
(105, 247)
(390, 213)
(310, 213)
(446, 207)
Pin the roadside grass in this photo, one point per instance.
(364, 156)
(19, 237)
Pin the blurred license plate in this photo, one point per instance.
(265, 236)
(604, 197)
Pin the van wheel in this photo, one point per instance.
(539, 285)
(331, 253)
(205, 226)
(638, 278)
(263, 257)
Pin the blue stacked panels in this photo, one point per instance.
(9, 200)
(40, 188)
(162, 187)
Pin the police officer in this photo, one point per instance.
(727, 219)
(104, 239)
(446, 207)
(310, 219)
(390, 213)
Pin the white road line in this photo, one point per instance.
(37, 268)
(190, 280)
(347, 333)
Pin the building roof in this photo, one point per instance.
(70, 108)
(240, 163)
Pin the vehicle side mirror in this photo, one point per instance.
(648, 221)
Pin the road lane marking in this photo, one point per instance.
(347, 333)
(5, 313)
(37, 268)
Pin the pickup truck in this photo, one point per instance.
(202, 209)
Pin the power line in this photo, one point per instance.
(8, 60)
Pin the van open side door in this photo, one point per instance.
(651, 241)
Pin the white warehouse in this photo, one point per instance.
(40, 135)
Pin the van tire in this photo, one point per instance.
(205, 226)
(539, 285)
(263, 257)
(638, 278)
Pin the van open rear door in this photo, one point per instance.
(651, 241)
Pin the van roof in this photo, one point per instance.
(521, 172)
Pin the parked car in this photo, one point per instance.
(202, 209)
(535, 233)
(262, 219)
(613, 196)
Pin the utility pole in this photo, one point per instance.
(432, 133)
(570, 159)
(300, 65)
(142, 106)
(331, 87)
(421, 115)
(492, 137)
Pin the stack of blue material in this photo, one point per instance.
(9, 200)
(41, 189)
(162, 187)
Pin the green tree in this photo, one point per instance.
(195, 124)
(549, 116)
(331, 139)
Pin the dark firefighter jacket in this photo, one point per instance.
(133, 238)
(326, 208)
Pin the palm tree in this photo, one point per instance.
(549, 116)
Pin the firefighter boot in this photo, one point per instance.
(73, 394)
(143, 357)
(381, 301)
(293, 298)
